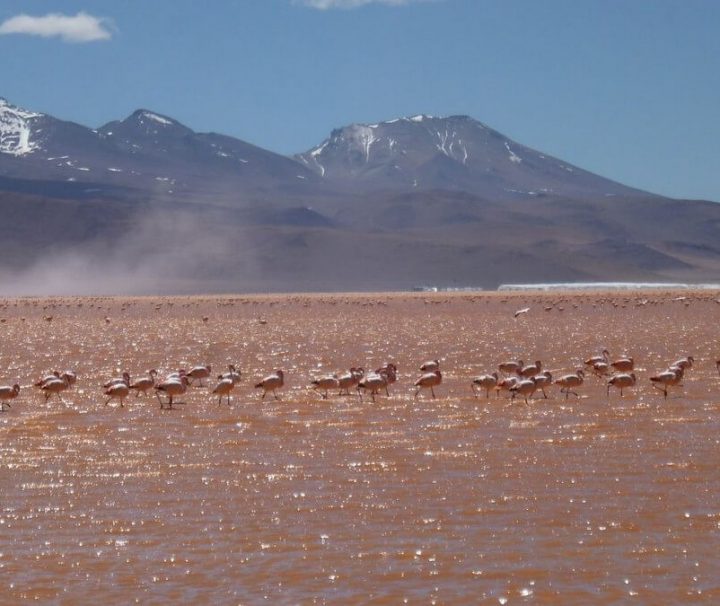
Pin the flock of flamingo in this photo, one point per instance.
(514, 377)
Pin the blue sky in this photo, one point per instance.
(630, 90)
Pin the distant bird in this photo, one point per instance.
(124, 379)
(601, 369)
(531, 370)
(621, 381)
(55, 386)
(390, 373)
(684, 363)
(233, 374)
(199, 372)
(223, 388)
(350, 379)
(325, 384)
(8, 393)
(70, 375)
(374, 382)
(144, 384)
(176, 376)
(668, 378)
(524, 387)
(429, 380)
(604, 357)
(625, 364)
(171, 388)
(567, 382)
(117, 391)
(543, 380)
(42, 380)
(271, 383)
(430, 366)
(486, 382)
(522, 311)
(511, 368)
(506, 384)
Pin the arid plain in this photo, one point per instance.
(301, 500)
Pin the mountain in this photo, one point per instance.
(147, 153)
(455, 153)
(145, 204)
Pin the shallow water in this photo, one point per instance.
(455, 500)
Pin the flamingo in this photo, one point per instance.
(55, 386)
(486, 382)
(232, 374)
(171, 388)
(531, 370)
(271, 383)
(428, 380)
(668, 378)
(390, 372)
(430, 366)
(624, 365)
(124, 379)
(543, 380)
(143, 384)
(70, 375)
(621, 381)
(520, 312)
(601, 369)
(511, 368)
(199, 372)
(603, 357)
(42, 380)
(325, 383)
(117, 391)
(8, 393)
(570, 380)
(506, 384)
(374, 382)
(350, 379)
(525, 387)
(684, 363)
(223, 388)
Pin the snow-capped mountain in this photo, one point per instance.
(455, 153)
(16, 130)
(146, 152)
(416, 200)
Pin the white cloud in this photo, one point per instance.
(326, 4)
(80, 28)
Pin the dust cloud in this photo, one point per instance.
(153, 253)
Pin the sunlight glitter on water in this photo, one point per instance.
(455, 500)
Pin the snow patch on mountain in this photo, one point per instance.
(16, 130)
(362, 137)
(513, 156)
(156, 118)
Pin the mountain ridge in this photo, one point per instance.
(388, 205)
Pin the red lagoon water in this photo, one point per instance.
(454, 500)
